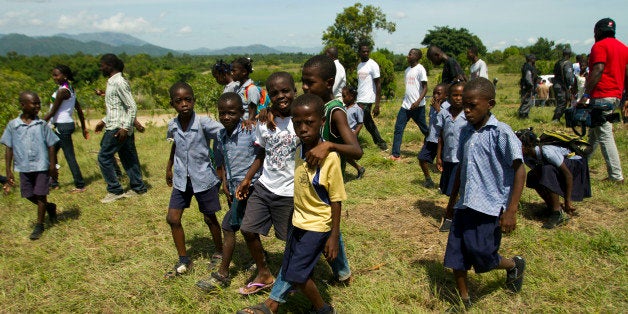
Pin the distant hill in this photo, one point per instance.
(99, 43)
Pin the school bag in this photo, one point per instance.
(264, 99)
(572, 142)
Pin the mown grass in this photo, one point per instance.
(111, 258)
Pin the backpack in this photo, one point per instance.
(572, 142)
(264, 99)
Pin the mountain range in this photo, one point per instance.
(98, 43)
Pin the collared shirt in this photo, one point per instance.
(192, 157)
(450, 132)
(121, 107)
(434, 129)
(486, 159)
(240, 150)
(30, 144)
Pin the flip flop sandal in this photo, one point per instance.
(258, 287)
(255, 309)
(215, 282)
(214, 261)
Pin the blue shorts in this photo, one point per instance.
(302, 252)
(265, 209)
(428, 152)
(208, 202)
(474, 239)
(34, 183)
(447, 177)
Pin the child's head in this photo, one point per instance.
(230, 110)
(318, 76)
(440, 92)
(308, 116)
(472, 53)
(414, 55)
(62, 73)
(478, 99)
(281, 90)
(349, 95)
(221, 72)
(241, 68)
(435, 55)
(364, 51)
(455, 94)
(182, 98)
(30, 103)
(528, 141)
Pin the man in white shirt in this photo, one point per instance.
(413, 105)
(341, 76)
(478, 66)
(369, 92)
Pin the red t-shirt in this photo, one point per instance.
(614, 55)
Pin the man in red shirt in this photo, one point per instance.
(608, 68)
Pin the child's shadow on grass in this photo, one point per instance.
(71, 213)
(429, 208)
(533, 211)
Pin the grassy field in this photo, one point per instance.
(111, 258)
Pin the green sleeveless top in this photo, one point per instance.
(327, 134)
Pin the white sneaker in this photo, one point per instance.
(110, 197)
(130, 194)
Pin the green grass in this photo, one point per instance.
(111, 258)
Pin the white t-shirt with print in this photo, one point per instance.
(414, 76)
(367, 72)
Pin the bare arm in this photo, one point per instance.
(62, 94)
(331, 247)
(439, 154)
(350, 149)
(8, 159)
(81, 116)
(421, 96)
(358, 128)
(378, 95)
(242, 191)
(595, 74)
(52, 157)
(169, 165)
(568, 186)
(508, 221)
(449, 212)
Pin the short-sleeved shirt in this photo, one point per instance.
(434, 129)
(192, 157)
(340, 80)
(486, 159)
(451, 70)
(479, 69)
(240, 151)
(280, 145)
(355, 116)
(121, 107)
(450, 132)
(314, 190)
(249, 95)
(231, 87)
(30, 144)
(614, 55)
(367, 72)
(553, 155)
(414, 76)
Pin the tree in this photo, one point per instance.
(352, 26)
(453, 41)
(542, 49)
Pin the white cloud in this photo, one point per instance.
(22, 18)
(79, 20)
(400, 15)
(121, 23)
(589, 41)
(185, 30)
(532, 40)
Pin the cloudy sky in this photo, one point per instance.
(214, 24)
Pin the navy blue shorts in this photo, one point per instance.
(302, 252)
(447, 177)
(208, 202)
(474, 239)
(428, 152)
(34, 183)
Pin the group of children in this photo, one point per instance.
(287, 173)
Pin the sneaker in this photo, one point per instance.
(556, 219)
(514, 277)
(429, 184)
(51, 209)
(394, 158)
(360, 173)
(214, 282)
(179, 269)
(445, 225)
(37, 232)
(382, 146)
(131, 193)
(110, 197)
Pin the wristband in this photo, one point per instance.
(586, 95)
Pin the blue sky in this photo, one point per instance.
(214, 24)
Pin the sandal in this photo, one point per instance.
(258, 286)
(77, 190)
(214, 261)
(255, 309)
(214, 282)
(178, 270)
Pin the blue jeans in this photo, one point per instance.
(109, 145)
(64, 131)
(404, 115)
(339, 267)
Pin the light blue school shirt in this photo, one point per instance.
(450, 132)
(434, 130)
(192, 156)
(553, 155)
(30, 144)
(486, 174)
(240, 150)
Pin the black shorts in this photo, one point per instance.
(428, 152)
(208, 202)
(34, 183)
(265, 209)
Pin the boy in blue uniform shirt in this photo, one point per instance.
(194, 174)
(490, 181)
(30, 147)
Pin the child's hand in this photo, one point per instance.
(169, 177)
(439, 164)
(6, 188)
(243, 189)
(316, 155)
(331, 248)
(99, 126)
(52, 171)
(508, 221)
(86, 134)
(569, 209)
(248, 124)
(225, 189)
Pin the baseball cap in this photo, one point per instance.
(606, 25)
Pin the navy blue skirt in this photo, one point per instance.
(550, 177)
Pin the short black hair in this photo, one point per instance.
(332, 51)
(352, 90)
(454, 84)
(112, 60)
(281, 74)
(231, 97)
(418, 52)
(364, 43)
(247, 63)
(474, 50)
(527, 137)
(65, 70)
(310, 100)
(221, 67)
(24, 94)
(325, 64)
(486, 88)
(180, 85)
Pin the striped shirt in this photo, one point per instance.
(121, 107)
(30, 144)
(240, 150)
(450, 132)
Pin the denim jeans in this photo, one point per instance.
(339, 267)
(369, 124)
(404, 115)
(64, 131)
(603, 136)
(109, 145)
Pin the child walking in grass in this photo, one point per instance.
(30, 150)
(235, 153)
(193, 173)
(489, 181)
(355, 118)
(430, 145)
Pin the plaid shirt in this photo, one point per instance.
(121, 107)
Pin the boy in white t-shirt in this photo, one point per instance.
(369, 92)
(478, 67)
